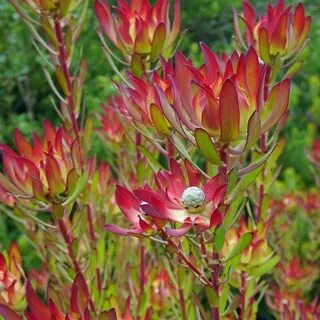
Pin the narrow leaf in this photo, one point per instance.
(254, 131)
(158, 41)
(219, 239)
(212, 296)
(264, 268)
(276, 104)
(82, 181)
(264, 47)
(206, 146)
(159, 120)
(229, 112)
(62, 81)
(243, 185)
(241, 245)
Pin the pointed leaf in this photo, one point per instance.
(212, 66)
(158, 41)
(229, 112)
(151, 158)
(137, 65)
(218, 241)
(159, 120)
(64, 7)
(37, 189)
(234, 210)
(243, 185)
(264, 48)
(22, 144)
(254, 131)
(265, 267)
(276, 104)
(104, 16)
(240, 246)
(82, 181)
(212, 296)
(53, 175)
(15, 259)
(62, 80)
(142, 44)
(206, 146)
(143, 303)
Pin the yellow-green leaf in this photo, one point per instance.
(206, 146)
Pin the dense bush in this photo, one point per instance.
(166, 184)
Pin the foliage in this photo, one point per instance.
(167, 184)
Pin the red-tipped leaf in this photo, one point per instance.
(229, 113)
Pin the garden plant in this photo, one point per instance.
(188, 212)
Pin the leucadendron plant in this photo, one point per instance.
(178, 222)
(229, 112)
(139, 30)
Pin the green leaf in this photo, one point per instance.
(150, 280)
(64, 7)
(181, 148)
(233, 305)
(75, 246)
(276, 105)
(155, 165)
(48, 4)
(276, 67)
(224, 295)
(264, 47)
(276, 152)
(243, 185)
(258, 163)
(233, 212)
(159, 120)
(189, 285)
(72, 180)
(140, 172)
(143, 304)
(232, 179)
(219, 239)
(182, 276)
(167, 267)
(254, 131)
(101, 249)
(212, 296)
(48, 29)
(137, 66)
(294, 69)
(241, 245)
(57, 212)
(206, 146)
(79, 187)
(62, 81)
(158, 41)
(265, 267)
